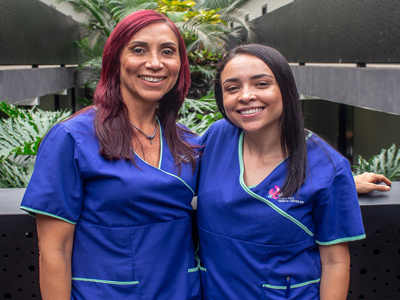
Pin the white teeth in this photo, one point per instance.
(250, 111)
(151, 79)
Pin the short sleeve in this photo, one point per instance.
(55, 188)
(337, 213)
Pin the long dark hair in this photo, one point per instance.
(293, 142)
(111, 122)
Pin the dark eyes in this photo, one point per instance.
(141, 51)
(262, 84)
(138, 50)
(235, 88)
(232, 89)
(168, 51)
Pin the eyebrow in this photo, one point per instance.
(234, 79)
(145, 43)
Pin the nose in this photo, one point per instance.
(153, 62)
(247, 95)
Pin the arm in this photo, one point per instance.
(335, 262)
(55, 248)
(366, 183)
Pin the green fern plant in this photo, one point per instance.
(20, 135)
(386, 163)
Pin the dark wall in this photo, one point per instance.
(33, 33)
(334, 31)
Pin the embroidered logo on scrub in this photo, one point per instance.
(275, 192)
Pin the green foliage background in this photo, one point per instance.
(20, 135)
(386, 163)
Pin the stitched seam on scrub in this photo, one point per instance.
(284, 287)
(262, 199)
(251, 243)
(132, 226)
(106, 281)
(342, 240)
(32, 211)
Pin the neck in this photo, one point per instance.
(142, 116)
(263, 144)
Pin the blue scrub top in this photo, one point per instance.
(255, 244)
(133, 224)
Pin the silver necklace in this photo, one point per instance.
(149, 137)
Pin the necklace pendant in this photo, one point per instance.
(151, 142)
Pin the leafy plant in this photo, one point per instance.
(199, 115)
(386, 163)
(20, 135)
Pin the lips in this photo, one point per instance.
(152, 78)
(250, 111)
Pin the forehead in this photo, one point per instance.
(243, 65)
(158, 32)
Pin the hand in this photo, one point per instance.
(367, 182)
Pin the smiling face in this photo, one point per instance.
(149, 64)
(251, 96)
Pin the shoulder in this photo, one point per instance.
(322, 154)
(77, 130)
(220, 130)
(224, 126)
(316, 143)
(81, 122)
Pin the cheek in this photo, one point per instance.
(229, 106)
(228, 102)
(176, 69)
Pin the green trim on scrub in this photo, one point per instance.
(270, 204)
(192, 270)
(159, 164)
(197, 258)
(106, 281)
(309, 134)
(342, 240)
(161, 142)
(35, 211)
(284, 287)
(252, 186)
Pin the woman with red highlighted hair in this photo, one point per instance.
(113, 185)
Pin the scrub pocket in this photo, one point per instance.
(102, 264)
(292, 274)
(89, 290)
(304, 290)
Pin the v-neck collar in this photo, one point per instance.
(161, 148)
(241, 164)
(260, 198)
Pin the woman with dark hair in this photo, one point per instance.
(113, 185)
(278, 205)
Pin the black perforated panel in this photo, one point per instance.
(375, 261)
(33, 33)
(19, 258)
(334, 31)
